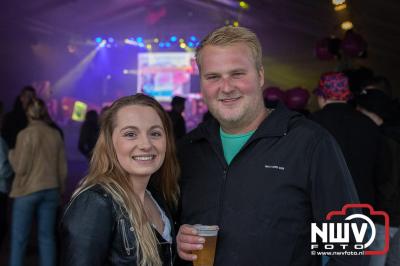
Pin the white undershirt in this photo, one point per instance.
(166, 234)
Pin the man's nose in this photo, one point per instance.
(226, 85)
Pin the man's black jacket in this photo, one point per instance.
(289, 174)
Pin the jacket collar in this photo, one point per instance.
(276, 124)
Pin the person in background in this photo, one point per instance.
(378, 106)
(378, 83)
(178, 122)
(121, 214)
(261, 175)
(6, 174)
(40, 170)
(89, 133)
(53, 124)
(1, 113)
(16, 120)
(358, 138)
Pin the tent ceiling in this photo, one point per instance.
(288, 28)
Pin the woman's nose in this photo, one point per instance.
(144, 143)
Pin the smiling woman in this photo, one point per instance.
(121, 213)
(140, 142)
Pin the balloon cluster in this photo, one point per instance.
(295, 98)
(352, 45)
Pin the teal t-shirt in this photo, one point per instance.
(232, 143)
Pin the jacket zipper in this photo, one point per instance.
(225, 167)
(221, 196)
(124, 237)
(170, 254)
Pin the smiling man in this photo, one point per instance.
(263, 176)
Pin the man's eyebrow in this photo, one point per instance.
(238, 70)
(230, 71)
(211, 73)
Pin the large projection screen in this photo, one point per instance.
(163, 75)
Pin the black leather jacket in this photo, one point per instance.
(96, 231)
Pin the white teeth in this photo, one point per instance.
(143, 158)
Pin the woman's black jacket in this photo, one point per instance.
(96, 231)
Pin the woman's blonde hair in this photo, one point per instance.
(106, 170)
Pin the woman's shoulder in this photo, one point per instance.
(93, 201)
(88, 225)
(34, 128)
(96, 192)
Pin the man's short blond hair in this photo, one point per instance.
(229, 35)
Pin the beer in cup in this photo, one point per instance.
(205, 257)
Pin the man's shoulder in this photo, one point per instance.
(203, 130)
(188, 139)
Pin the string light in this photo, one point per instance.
(102, 43)
(338, 2)
(340, 7)
(170, 42)
(244, 5)
(347, 25)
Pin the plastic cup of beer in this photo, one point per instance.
(205, 257)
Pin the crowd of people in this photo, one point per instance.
(261, 168)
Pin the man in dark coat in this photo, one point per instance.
(358, 137)
(382, 110)
(263, 176)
